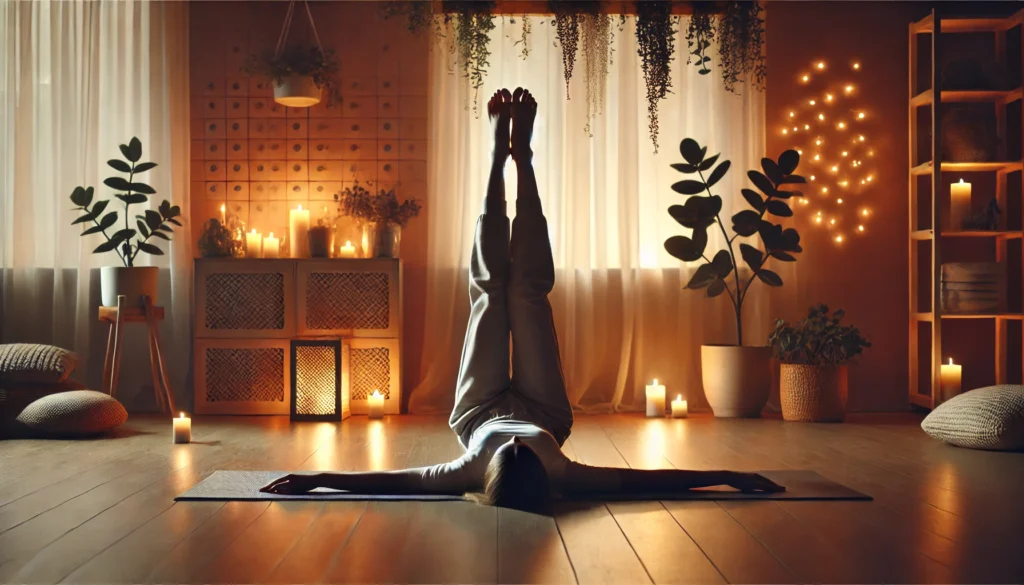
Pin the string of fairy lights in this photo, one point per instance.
(828, 130)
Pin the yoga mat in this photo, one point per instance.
(245, 485)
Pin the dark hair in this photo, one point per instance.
(516, 478)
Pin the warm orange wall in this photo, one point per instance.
(378, 134)
(865, 275)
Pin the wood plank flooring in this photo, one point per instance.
(102, 511)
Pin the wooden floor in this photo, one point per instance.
(102, 511)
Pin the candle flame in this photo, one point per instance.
(348, 243)
(655, 382)
(679, 397)
(271, 235)
(376, 394)
(254, 231)
(961, 181)
(951, 361)
(181, 415)
(223, 208)
(300, 207)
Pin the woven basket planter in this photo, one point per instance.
(813, 393)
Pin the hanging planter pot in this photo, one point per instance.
(297, 91)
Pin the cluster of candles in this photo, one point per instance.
(303, 238)
(655, 393)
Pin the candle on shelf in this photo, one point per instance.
(319, 241)
(375, 404)
(655, 399)
(223, 213)
(298, 226)
(182, 429)
(679, 409)
(253, 244)
(271, 246)
(950, 377)
(959, 205)
(347, 251)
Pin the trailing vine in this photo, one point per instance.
(567, 29)
(597, 39)
(741, 36)
(524, 40)
(655, 39)
(699, 34)
(472, 23)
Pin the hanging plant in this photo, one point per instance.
(655, 39)
(699, 33)
(597, 42)
(567, 30)
(472, 23)
(741, 37)
(524, 39)
(418, 14)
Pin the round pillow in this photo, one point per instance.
(987, 418)
(75, 413)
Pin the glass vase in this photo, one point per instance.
(381, 239)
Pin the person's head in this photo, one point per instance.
(516, 479)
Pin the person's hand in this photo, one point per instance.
(292, 484)
(753, 483)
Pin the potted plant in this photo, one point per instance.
(814, 354)
(127, 242)
(381, 217)
(736, 378)
(299, 75)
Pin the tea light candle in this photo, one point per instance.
(679, 409)
(959, 204)
(655, 399)
(347, 251)
(271, 246)
(375, 404)
(253, 244)
(950, 378)
(298, 226)
(181, 430)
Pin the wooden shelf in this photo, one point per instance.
(928, 317)
(966, 25)
(968, 167)
(997, 234)
(968, 96)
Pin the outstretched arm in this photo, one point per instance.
(456, 477)
(584, 480)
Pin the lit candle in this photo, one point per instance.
(679, 409)
(271, 246)
(298, 226)
(223, 213)
(182, 429)
(655, 399)
(950, 377)
(959, 204)
(253, 243)
(347, 251)
(375, 404)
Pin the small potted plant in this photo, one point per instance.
(814, 355)
(299, 75)
(381, 217)
(127, 242)
(736, 378)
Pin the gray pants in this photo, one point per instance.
(508, 290)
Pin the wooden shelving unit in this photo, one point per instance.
(924, 387)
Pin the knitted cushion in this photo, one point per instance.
(32, 363)
(79, 412)
(986, 418)
(15, 397)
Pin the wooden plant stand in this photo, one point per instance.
(120, 316)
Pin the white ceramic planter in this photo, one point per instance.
(297, 91)
(133, 283)
(737, 379)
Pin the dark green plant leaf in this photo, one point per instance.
(708, 163)
(779, 208)
(790, 240)
(788, 161)
(123, 235)
(93, 230)
(745, 223)
(153, 219)
(784, 256)
(721, 264)
(688, 187)
(83, 219)
(687, 249)
(697, 212)
(716, 288)
(165, 228)
(771, 235)
(108, 246)
(770, 278)
(142, 228)
(771, 170)
(754, 199)
(175, 211)
(787, 194)
(117, 183)
(161, 235)
(174, 221)
(684, 168)
(142, 188)
(702, 277)
(150, 249)
(134, 150)
(119, 165)
(133, 198)
(691, 151)
(81, 196)
(124, 151)
(761, 182)
(143, 167)
(791, 179)
(752, 256)
(97, 209)
(109, 219)
(718, 173)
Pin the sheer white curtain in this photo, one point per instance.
(76, 80)
(620, 313)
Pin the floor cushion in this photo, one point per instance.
(74, 413)
(986, 418)
(33, 363)
(14, 397)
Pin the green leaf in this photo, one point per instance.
(142, 228)
(787, 194)
(770, 278)
(133, 198)
(708, 163)
(790, 240)
(161, 235)
(83, 219)
(761, 182)
(752, 256)
(174, 221)
(716, 288)
(143, 167)
(718, 173)
(771, 235)
(691, 151)
(109, 220)
(684, 168)
(771, 170)
(153, 219)
(745, 223)
(93, 230)
(702, 277)
(721, 264)
(150, 249)
(784, 256)
(108, 246)
(754, 199)
(779, 208)
(687, 249)
(788, 161)
(117, 183)
(165, 228)
(142, 188)
(134, 150)
(119, 165)
(123, 235)
(688, 187)
(175, 211)
(81, 196)
(97, 209)
(790, 179)
(697, 212)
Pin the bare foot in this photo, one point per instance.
(499, 110)
(524, 112)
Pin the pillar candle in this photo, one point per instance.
(271, 246)
(950, 376)
(347, 251)
(679, 409)
(319, 241)
(298, 226)
(959, 205)
(181, 429)
(655, 399)
(375, 404)
(223, 213)
(253, 244)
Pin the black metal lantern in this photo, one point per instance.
(316, 380)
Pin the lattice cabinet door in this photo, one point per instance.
(372, 364)
(238, 298)
(349, 298)
(317, 392)
(242, 376)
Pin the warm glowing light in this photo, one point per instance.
(798, 151)
(820, 65)
(861, 138)
(864, 212)
(812, 177)
(848, 89)
(869, 178)
(839, 201)
(821, 117)
(818, 142)
(843, 183)
(856, 65)
(860, 116)
(792, 114)
(795, 128)
(839, 239)
(860, 228)
(835, 168)
(805, 78)
(817, 219)
(824, 189)
(845, 153)
(841, 125)
(832, 221)
(862, 181)
(828, 97)
(813, 102)
(784, 131)
(807, 126)
(817, 157)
